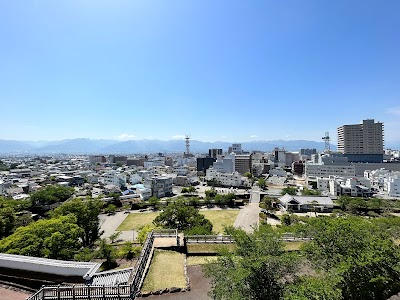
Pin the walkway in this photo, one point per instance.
(109, 225)
(248, 217)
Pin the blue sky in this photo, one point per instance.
(217, 70)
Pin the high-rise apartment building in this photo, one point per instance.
(362, 142)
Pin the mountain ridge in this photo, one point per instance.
(104, 146)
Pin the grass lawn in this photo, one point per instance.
(136, 220)
(293, 246)
(166, 271)
(208, 248)
(200, 260)
(221, 218)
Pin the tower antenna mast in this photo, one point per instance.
(187, 143)
(327, 140)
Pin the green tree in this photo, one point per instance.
(7, 221)
(321, 287)
(143, 232)
(261, 183)
(126, 207)
(289, 190)
(51, 194)
(110, 209)
(286, 220)
(57, 238)
(17, 205)
(113, 237)
(307, 192)
(107, 252)
(128, 251)
(183, 217)
(248, 175)
(192, 190)
(153, 201)
(210, 194)
(87, 213)
(267, 201)
(256, 269)
(364, 256)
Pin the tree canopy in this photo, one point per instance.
(255, 270)
(289, 190)
(364, 256)
(51, 194)
(87, 213)
(183, 217)
(56, 238)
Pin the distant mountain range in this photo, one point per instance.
(89, 146)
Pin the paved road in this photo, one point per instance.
(248, 217)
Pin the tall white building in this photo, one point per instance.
(361, 142)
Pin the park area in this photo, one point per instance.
(166, 271)
(219, 219)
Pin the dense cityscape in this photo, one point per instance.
(198, 150)
(98, 214)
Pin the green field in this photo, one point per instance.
(221, 218)
(166, 271)
(136, 220)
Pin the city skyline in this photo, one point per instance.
(218, 71)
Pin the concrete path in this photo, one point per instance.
(248, 217)
(109, 225)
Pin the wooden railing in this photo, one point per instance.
(80, 292)
(165, 232)
(205, 239)
(140, 266)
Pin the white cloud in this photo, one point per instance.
(125, 136)
(393, 111)
(253, 136)
(178, 137)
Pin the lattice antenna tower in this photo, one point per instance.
(187, 143)
(327, 140)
